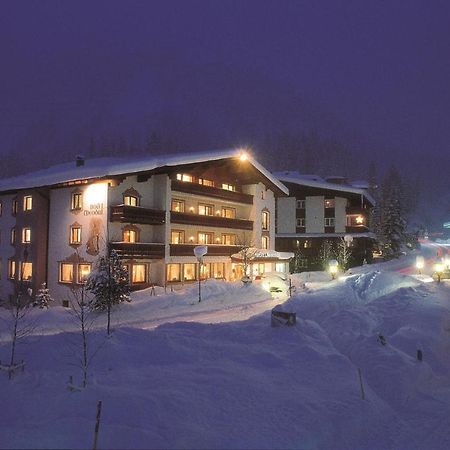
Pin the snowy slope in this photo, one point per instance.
(243, 384)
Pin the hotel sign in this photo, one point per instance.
(95, 209)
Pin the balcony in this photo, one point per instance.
(137, 214)
(356, 229)
(213, 250)
(209, 191)
(138, 250)
(210, 221)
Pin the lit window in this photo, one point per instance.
(27, 203)
(14, 207)
(173, 272)
(228, 239)
(130, 200)
(329, 221)
(185, 177)
(229, 213)
(177, 205)
(66, 272)
(329, 203)
(205, 238)
(301, 223)
(265, 220)
(27, 271)
(205, 182)
(77, 201)
(75, 234)
(189, 272)
(300, 204)
(218, 270)
(84, 270)
(265, 242)
(138, 273)
(26, 235)
(205, 210)
(11, 268)
(130, 235)
(205, 271)
(177, 237)
(228, 187)
(307, 244)
(13, 236)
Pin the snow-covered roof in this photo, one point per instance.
(108, 167)
(318, 182)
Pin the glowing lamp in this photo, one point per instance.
(359, 220)
(191, 239)
(95, 193)
(333, 268)
(243, 156)
(191, 209)
(420, 263)
(439, 268)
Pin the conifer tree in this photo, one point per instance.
(43, 297)
(109, 284)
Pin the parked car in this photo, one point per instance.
(275, 282)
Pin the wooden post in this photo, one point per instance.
(361, 384)
(97, 423)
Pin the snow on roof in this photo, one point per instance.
(106, 167)
(318, 182)
(326, 235)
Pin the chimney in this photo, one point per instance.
(79, 160)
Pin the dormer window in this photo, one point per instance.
(228, 187)
(206, 182)
(131, 197)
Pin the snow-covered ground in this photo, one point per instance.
(235, 382)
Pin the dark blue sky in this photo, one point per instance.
(215, 73)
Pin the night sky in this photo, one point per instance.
(210, 74)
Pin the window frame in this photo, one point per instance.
(209, 237)
(27, 202)
(177, 280)
(265, 220)
(76, 201)
(12, 269)
(22, 269)
(13, 236)
(127, 200)
(228, 208)
(26, 235)
(79, 272)
(265, 240)
(207, 207)
(180, 233)
(300, 222)
(60, 275)
(330, 221)
(73, 228)
(182, 203)
(300, 204)
(224, 237)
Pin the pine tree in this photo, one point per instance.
(43, 297)
(393, 223)
(109, 284)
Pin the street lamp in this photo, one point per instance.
(200, 251)
(333, 267)
(420, 263)
(439, 268)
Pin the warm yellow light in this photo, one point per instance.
(420, 263)
(359, 219)
(191, 209)
(191, 239)
(243, 156)
(333, 269)
(439, 267)
(95, 194)
(218, 240)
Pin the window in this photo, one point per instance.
(11, 269)
(329, 221)
(228, 239)
(301, 222)
(77, 201)
(27, 203)
(307, 244)
(300, 204)
(205, 182)
(13, 236)
(205, 238)
(265, 220)
(1, 208)
(26, 235)
(205, 271)
(14, 207)
(138, 273)
(228, 187)
(218, 270)
(185, 177)
(229, 213)
(177, 205)
(84, 270)
(263, 194)
(131, 200)
(205, 210)
(66, 272)
(75, 234)
(130, 235)
(177, 237)
(265, 242)
(173, 272)
(27, 271)
(189, 272)
(329, 203)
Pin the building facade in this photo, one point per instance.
(319, 210)
(55, 224)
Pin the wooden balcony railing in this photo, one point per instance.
(138, 249)
(210, 221)
(136, 214)
(213, 250)
(356, 229)
(209, 191)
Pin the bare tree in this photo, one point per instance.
(343, 252)
(247, 253)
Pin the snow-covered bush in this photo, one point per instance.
(43, 297)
